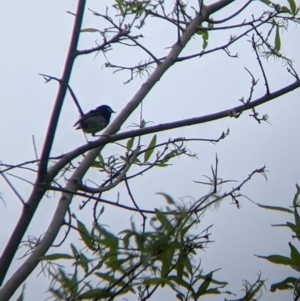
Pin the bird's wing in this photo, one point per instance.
(89, 114)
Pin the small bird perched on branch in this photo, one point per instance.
(95, 120)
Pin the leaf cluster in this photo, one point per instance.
(136, 262)
(289, 283)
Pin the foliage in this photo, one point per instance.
(289, 283)
(136, 262)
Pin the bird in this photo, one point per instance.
(95, 120)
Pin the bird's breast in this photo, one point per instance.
(93, 124)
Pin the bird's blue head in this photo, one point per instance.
(105, 108)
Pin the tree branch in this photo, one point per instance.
(168, 126)
(26, 268)
(41, 182)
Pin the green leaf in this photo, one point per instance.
(293, 227)
(275, 208)
(101, 162)
(183, 283)
(90, 30)
(285, 10)
(157, 280)
(150, 148)
(110, 239)
(180, 296)
(74, 282)
(74, 251)
(109, 278)
(102, 210)
(83, 262)
(267, 2)
(120, 6)
(205, 40)
(65, 280)
(112, 280)
(123, 158)
(204, 34)
(296, 214)
(277, 40)
(204, 286)
(162, 165)
(57, 293)
(167, 261)
(255, 288)
(163, 220)
(95, 294)
(126, 237)
(285, 284)
(278, 259)
(295, 254)
(188, 265)
(56, 256)
(139, 240)
(213, 291)
(293, 6)
(167, 197)
(179, 268)
(85, 235)
(136, 160)
(170, 155)
(112, 242)
(130, 144)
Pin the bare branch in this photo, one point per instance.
(13, 188)
(260, 65)
(232, 16)
(39, 189)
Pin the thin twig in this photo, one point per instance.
(260, 65)
(136, 205)
(231, 16)
(13, 188)
(34, 147)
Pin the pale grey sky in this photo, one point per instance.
(35, 36)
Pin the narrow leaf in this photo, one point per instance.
(285, 284)
(167, 197)
(293, 6)
(150, 148)
(74, 250)
(56, 256)
(275, 208)
(90, 30)
(120, 6)
(167, 261)
(95, 294)
(277, 40)
(267, 2)
(84, 234)
(123, 158)
(163, 220)
(162, 165)
(285, 10)
(130, 144)
(204, 286)
(294, 254)
(170, 155)
(278, 259)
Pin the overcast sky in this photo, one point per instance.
(35, 37)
